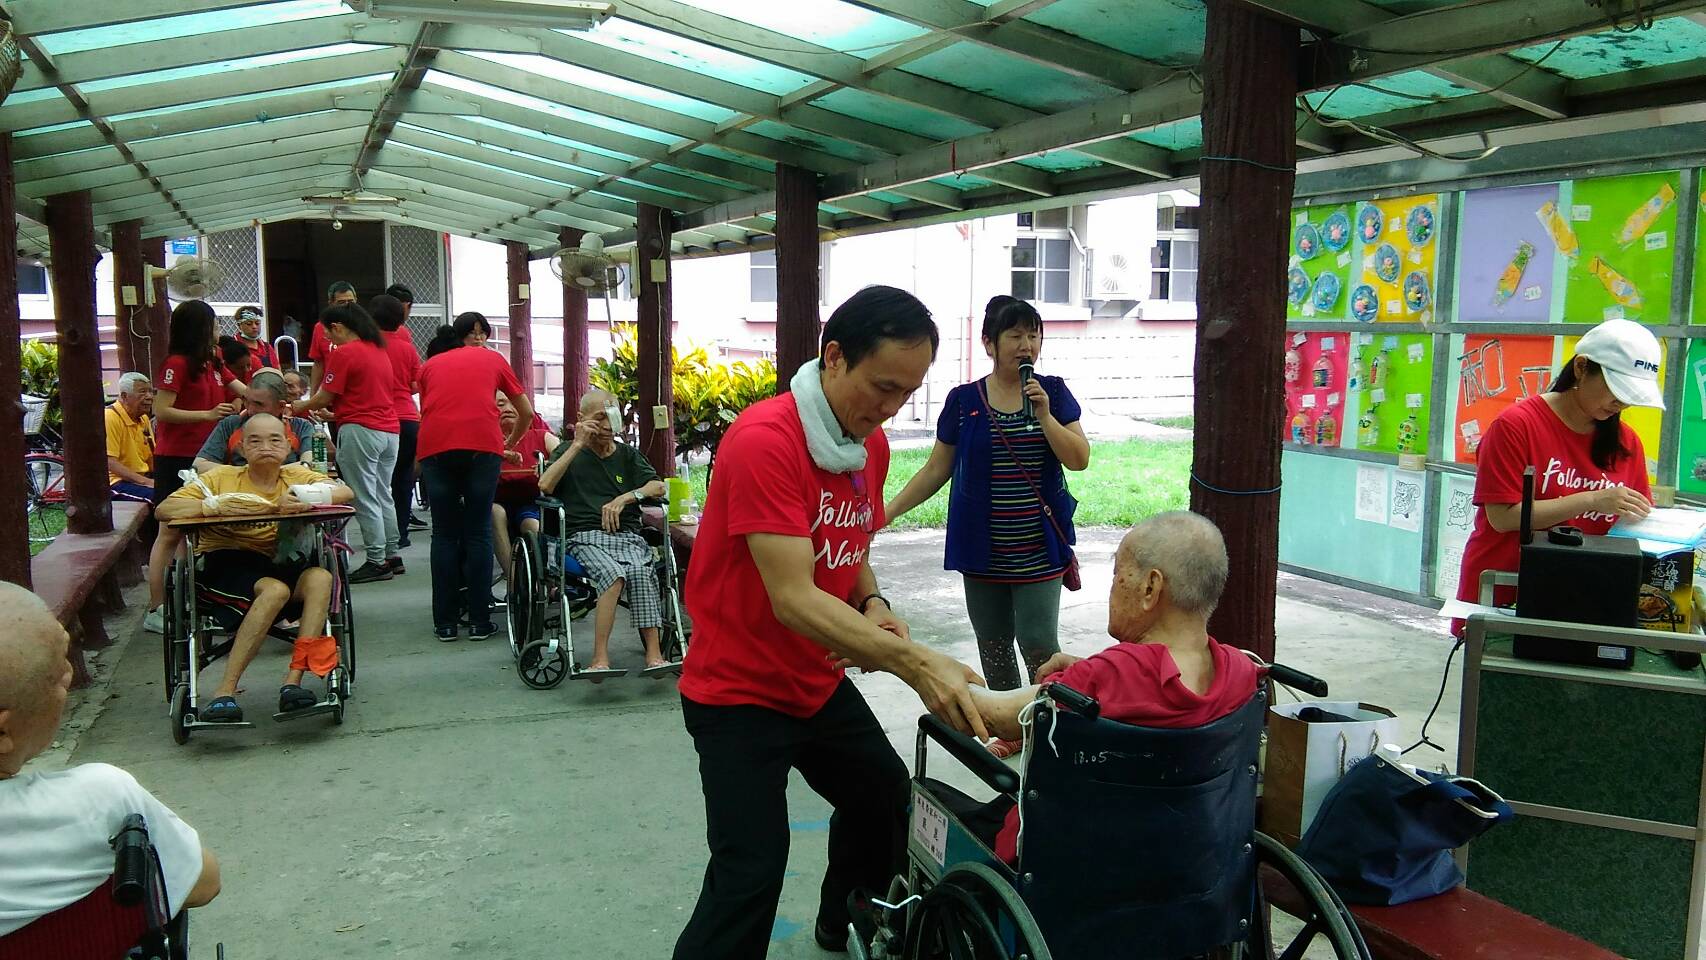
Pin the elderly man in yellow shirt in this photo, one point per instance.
(242, 562)
(130, 439)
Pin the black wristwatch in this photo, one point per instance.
(866, 603)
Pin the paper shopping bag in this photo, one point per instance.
(1305, 759)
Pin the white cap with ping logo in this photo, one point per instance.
(1628, 354)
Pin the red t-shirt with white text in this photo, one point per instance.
(406, 365)
(459, 407)
(359, 376)
(766, 482)
(203, 393)
(1530, 434)
(1139, 684)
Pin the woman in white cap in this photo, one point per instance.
(1589, 466)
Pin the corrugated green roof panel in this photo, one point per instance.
(812, 141)
(1163, 31)
(554, 139)
(1059, 161)
(1178, 135)
(644, 41)
(721, 153)
(1398, 92)
(189, 25)
(244, 98)
(901, 116)
(826, 23)
(546, 106)
(893, 198)
(1669, 41)
(1007, 77)
(605, 83)
(213, 70)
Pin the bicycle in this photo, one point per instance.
(44, 472)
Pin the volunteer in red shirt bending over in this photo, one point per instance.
(1589, 467)
(782, 595)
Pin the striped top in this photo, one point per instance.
(1018, 552)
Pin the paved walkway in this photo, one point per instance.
(457, 813)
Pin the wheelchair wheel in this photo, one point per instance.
(526, 602)
(169, 634)
(541, 667)
(1308, 898)
(973, 912)
(345, 623)
(181, 713)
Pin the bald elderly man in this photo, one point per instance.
(1164, 671)
(56, 824)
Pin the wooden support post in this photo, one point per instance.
(133, 353)
(158, 320)
(520, 314)
(577, 350)
(14, 518)
(798, 327)
(657, 360)
(1249, 91)
(71, 234)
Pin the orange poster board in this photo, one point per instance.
(1494, 372)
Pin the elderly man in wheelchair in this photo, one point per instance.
(600, 482)
(1129, 830)
(63, 893)
(240, 563)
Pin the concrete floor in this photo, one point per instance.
(458, 813)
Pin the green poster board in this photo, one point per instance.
(1394, 384)
(1691, 465)
(1700, 253)
(1323, 243)
(1624, 240)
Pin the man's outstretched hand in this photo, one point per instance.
(944, 684)
(1053, 665)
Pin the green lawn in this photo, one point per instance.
(1127, 481)
(1181, 423)
(45, 525)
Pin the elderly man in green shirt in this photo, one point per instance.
(601, 482)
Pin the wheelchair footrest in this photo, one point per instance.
(221, 725)
(317, 710)
(662, 670)
(597, 674)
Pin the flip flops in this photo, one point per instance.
(221, 710)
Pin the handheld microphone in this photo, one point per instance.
(1026, 371)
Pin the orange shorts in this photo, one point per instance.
(317, 655)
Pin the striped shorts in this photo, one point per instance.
(609, 557)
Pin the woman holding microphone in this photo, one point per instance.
(1006, 441)
(1589, 466)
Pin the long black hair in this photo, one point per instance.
(191, 335)
(1607, 447)
(1003, 313)
(466, 322)
(444, 338)
(354, 319)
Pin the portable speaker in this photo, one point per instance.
(1575, 578)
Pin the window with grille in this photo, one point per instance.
(1174, 260)
(237, 252)
(415, 263)
(1042, 269)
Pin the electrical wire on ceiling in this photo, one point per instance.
(814, 50)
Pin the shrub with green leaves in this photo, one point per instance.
(41, 376)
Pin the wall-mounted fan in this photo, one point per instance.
(587, 266)
(190, 278)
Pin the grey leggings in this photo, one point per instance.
(1003, 612)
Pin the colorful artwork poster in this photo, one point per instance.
(1392, 381)
(1315, 366)
(1691, 464)
(1643, 420)
(1321, 257)
(1506, 257)
(1399, 244)
(1700, 257)
(1623, 234)
(1494, 372)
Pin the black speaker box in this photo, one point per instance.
(1565, 575)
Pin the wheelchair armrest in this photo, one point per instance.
(975, 756)
(548, 502)
(1082, 704)
(131, 861)
(653, 501)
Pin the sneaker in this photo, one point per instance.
(481, 631)
(395, 565)
(403, 543)
(154, 621)
(292, 697)
(447, 634)
(416, 523)
(370, 572)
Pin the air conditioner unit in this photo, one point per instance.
(553, 14)
(1115, 275)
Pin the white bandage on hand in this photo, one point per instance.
(314, 493)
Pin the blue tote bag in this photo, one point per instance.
(1385, 835)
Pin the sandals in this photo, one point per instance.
(221, 710)
(293, 697)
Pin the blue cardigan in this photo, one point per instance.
(964, 423)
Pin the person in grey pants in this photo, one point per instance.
(366, 459)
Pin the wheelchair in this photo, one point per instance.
(549, 590)
(1136, 843)
(201, 626)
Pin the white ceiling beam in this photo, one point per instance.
(191, 163)
(240, 171)
(480, 201)
(31, 17)
(168, 147)
(125, 207)
(404, 157)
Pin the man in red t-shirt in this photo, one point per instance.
(782, 597)
(319, 347)
(1165, 671)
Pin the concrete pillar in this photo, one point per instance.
(577, 351)
(1249, 90)
(798, 327)
(657, 361)
(132, 335)
(14, 519)
(71, 233)
(520, 313)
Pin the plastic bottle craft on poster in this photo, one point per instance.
(1646, 215)
(1368, 428)
(1562, 234)
(1300, 428)
(1408, 433)
(1511, 280)
(1621, 290)
(1322, 375)
(1293, 365)
(1326, 430)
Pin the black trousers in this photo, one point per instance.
(403, 477)
(745, 753)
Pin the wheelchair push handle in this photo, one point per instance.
(130, 861)
(973, 755)
(1297, 680)
(1082, 704)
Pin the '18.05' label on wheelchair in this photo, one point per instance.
(930, 829)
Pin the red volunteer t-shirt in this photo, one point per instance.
(1139, 684)
(1530, 433)
(202, 393)
(459, 407)
(406, 365)
(359, 377)
(766, 482)
(319, 346)
(262, 352)
(519, 482)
